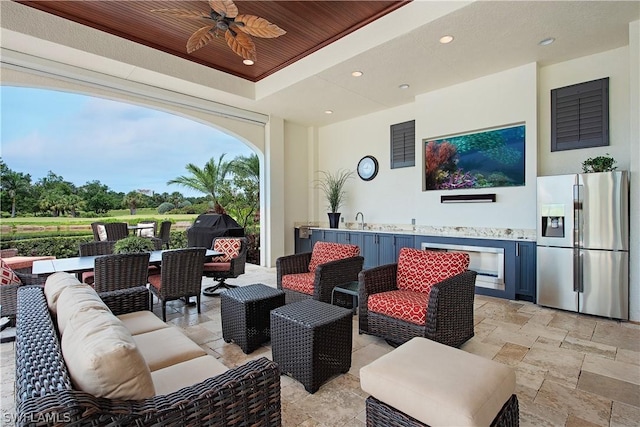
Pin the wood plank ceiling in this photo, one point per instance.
(310, 25)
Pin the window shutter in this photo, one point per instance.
(580, 115)
(403, 144)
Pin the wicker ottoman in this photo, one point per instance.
(311, 341)
(423, 383)
(245, 314)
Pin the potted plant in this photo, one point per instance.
(133, 244)
(599, 164)
(332, 185)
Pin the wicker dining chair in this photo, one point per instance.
(425, 294)
(99, 232)
(120, 271)
(116, 230)
(180, 276)
(165, 233)
(229, 265)
(147, 232)
(104, 247)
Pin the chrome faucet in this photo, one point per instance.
(362, 223)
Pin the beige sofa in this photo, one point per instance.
(126, 367)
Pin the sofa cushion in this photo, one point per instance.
(77, 298)
(405, 305)
(324, 252)
(301, 282)
(166, 347)
(24, 263)
(55, 284)
(230, 247)
(185, 374)
(439, 385)
(140, 322)
(7, 276)
(419, 270)
(103, 359)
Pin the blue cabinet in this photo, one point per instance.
(383, 248)
(526, 271)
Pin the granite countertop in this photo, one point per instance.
(457, 232)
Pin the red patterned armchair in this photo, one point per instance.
(229, 265)
(426, 294)
(315, 274)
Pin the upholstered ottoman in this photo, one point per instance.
(311, 341)
(245, 314)
(423, 382)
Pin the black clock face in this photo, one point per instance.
(368, 168)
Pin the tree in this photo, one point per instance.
(209, 180)
(98, 198)
(244, 194)
(132, 200)
(13, 184)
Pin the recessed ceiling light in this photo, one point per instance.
(357, 74)
(446, 39)
(248, 62)
(404, 86)
(547, 41)
(328, 111)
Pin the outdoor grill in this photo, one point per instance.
(208, 226)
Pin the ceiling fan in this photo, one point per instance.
(226, 20)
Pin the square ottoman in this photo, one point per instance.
(425, 383)
(311, 341)
(245, 314)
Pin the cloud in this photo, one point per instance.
(124, 146)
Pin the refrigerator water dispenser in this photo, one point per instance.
(552, 220)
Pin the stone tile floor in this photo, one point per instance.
(572, 370)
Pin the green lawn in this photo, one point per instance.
(119, 215)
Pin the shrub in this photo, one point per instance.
(165, 207)
(132, 244)
(184, 204)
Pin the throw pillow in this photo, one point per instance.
(324, 252)
(7, 275)
(419, 270)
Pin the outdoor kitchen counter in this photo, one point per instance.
(454, 232)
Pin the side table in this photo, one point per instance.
(311, 341)
(245, 314)
(351, 288)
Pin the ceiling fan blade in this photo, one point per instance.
(182, 13)
(258, 27)
(225, 8)
(200, 38)
(241, 44)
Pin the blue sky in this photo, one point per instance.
(124, 146)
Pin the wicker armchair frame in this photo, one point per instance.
(449, 311)
(381, 414)
(180, 276)
(327, 277)
(101, 247)
(9, 293)
(94, 228)
(120, 271)
(248, 395)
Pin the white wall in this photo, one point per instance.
(395, 196)
(634, 168)
(613, 64)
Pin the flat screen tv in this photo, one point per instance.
(491, 158)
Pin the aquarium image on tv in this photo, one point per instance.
(491, 158)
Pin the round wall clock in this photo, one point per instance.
(367, 168)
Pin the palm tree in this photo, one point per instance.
(246, 188)
(13, 183)
(209, 180)
(132, 200)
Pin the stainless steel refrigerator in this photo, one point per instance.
(583, 243)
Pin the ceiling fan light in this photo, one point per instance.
(357, 74)
(247, 62)
(328, 111)
(403, 86)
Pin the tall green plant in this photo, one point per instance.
(332, 185)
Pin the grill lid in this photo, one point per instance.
(208, 226)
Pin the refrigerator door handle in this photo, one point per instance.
(577, 270)
(577, 215)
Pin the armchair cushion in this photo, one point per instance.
(7, 276)
(230, 247)
(302, 282)
(324, 252)
(406, 305)
(419, 270)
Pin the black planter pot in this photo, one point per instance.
(334, 219)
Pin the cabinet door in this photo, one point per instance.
(343, 237)
(403, 241)
(330, 236)
(355, 238)
(386, 249)
(526, 271)
(369, 250)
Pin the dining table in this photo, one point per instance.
(81, 264)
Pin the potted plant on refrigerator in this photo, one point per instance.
(599, 164)
(332, 185)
